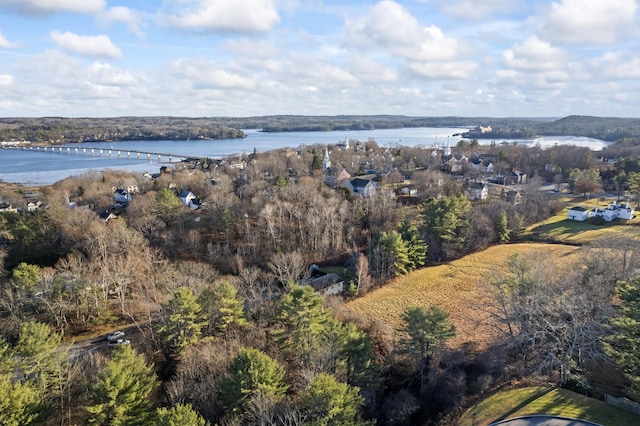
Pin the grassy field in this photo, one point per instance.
(559, 228)
(545, 400)
(456, 287)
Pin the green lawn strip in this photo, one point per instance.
(544, 400)
(334, 270)
(561, 229)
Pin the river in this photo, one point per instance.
(33, 168)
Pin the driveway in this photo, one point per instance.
(543, 421)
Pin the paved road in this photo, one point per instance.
(543, 421)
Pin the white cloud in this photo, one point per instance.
(534, 55)
(6, 80)
(317, 71)
(46, 7)
(56, 83)
(369, 71)
(202, 74)
(263, 49)
(99, 45)
(106, 75)
(133, 19)
(615, 66)
(221, 15)
(4, 43)
(444, 70)
(477, 9)
(391, 26)
(589, 21)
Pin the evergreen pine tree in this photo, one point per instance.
(183, 322)
(330, 402)
(251, 372)
(179, 415)
(623, 343)
(121, 393)
(223, 308)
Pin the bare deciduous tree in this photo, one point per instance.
(288, 267)
(552, 317)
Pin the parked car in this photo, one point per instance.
(115, 336)
(119, 342)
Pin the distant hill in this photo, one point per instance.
(64, 130)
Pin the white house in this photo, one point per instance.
(122, 196)
(364, 186)
(578, 213)
(477, 191)
(615, 211)
(188, 198)
(612, 212)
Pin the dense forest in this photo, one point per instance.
(221, 302)
(63, 130)
(66, 130)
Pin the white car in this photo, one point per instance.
(119, 342)
(115, 336)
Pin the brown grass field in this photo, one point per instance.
(456, 287)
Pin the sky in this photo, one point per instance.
(238, 58)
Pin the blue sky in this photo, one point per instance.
(261, 57)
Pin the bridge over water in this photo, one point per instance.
(102, 152)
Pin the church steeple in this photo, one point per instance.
(326, 163)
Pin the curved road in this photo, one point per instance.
(543, 421)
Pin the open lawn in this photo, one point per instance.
(545, 400)
(456, 287)
(559, 228)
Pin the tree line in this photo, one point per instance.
(54, 129)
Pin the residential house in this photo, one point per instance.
(516, 177)
(330, 284)
(190, 199)
(364, 186)
(122, 196)
(477, 191)
(33, 205)
(106, 216)
(454, 165)
(614, 211)
(4, 207)
(343, 146)
(513, 197)
(578, 213)
(410, 191)
(342, 178)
